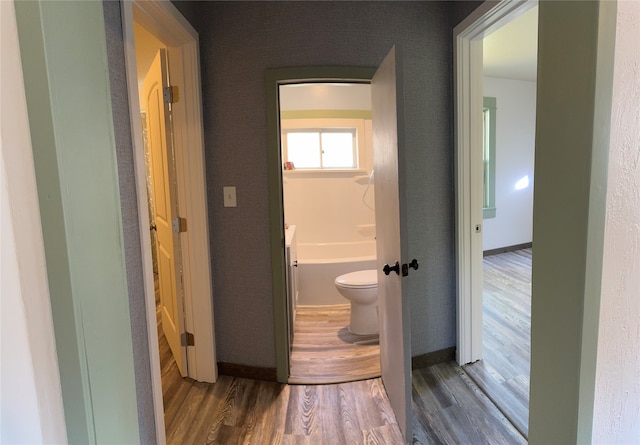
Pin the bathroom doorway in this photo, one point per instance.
(328, 187)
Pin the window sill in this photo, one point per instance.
(304, 173)
(488, 212)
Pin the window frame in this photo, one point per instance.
(319, 132)
(316, 124)
(489, 106)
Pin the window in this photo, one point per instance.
(489, 157)
(321, 148)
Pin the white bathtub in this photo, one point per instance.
(320, 264)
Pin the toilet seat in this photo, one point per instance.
(362, 279)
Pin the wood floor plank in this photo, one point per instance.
(503, 373)
(208, 416)
(382, 435)
(463, 411)
(325, 351)
(181, 424)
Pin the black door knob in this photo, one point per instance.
(395, 268)
(412, 265)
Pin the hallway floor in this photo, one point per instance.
(448, 409)
(448, 406)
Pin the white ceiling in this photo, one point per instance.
(511, 52)
(325, 96)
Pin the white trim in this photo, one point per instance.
(468, 36)
(164, 21)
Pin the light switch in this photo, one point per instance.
(230, 196)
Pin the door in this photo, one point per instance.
(391, 240)
(165, 208)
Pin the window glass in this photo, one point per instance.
(338, 150)
(489, 157)
(304, 149)
(330, 148)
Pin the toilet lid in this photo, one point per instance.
(361, 279)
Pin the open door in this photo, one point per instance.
(165, 209)
(391, 240)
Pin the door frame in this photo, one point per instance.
(274, 78)
(166, 23)
(467, 46)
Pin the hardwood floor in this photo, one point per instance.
(325, 351)
(503, 374)
(449, 406)
(237, 411)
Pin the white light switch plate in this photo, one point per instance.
(230, 196)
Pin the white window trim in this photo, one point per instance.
(325, 124)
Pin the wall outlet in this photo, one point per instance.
(230, 196)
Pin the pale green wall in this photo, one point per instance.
(66, 80)
(573, 114)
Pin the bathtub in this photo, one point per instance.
(320, 264)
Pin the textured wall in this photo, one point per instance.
(461, 9)
(239, 41)
(617, 394)
(130, 228)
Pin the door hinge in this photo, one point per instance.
(170, 94)
(187, 339)
(179, 224)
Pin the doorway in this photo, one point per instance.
(329, 214)
(165, 23)
(388, 120)
(498, 48)
(151, 58)
(274, 79)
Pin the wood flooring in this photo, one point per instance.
(503, 373)
(448, 409)
(243, 411)
(449, 406)
(325, 351)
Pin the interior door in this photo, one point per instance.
(391, 240)
(165, 207)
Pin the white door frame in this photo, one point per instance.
(467, 46)
(166, 23)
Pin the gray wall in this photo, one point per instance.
(238, 42)
(130, 228)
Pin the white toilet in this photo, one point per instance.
(361, 288)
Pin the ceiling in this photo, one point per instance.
(511, 51)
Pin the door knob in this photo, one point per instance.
(412, 265)
(395, 268)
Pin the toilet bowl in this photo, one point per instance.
(361, 289)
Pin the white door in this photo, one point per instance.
(391, 241)
(164, 196)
